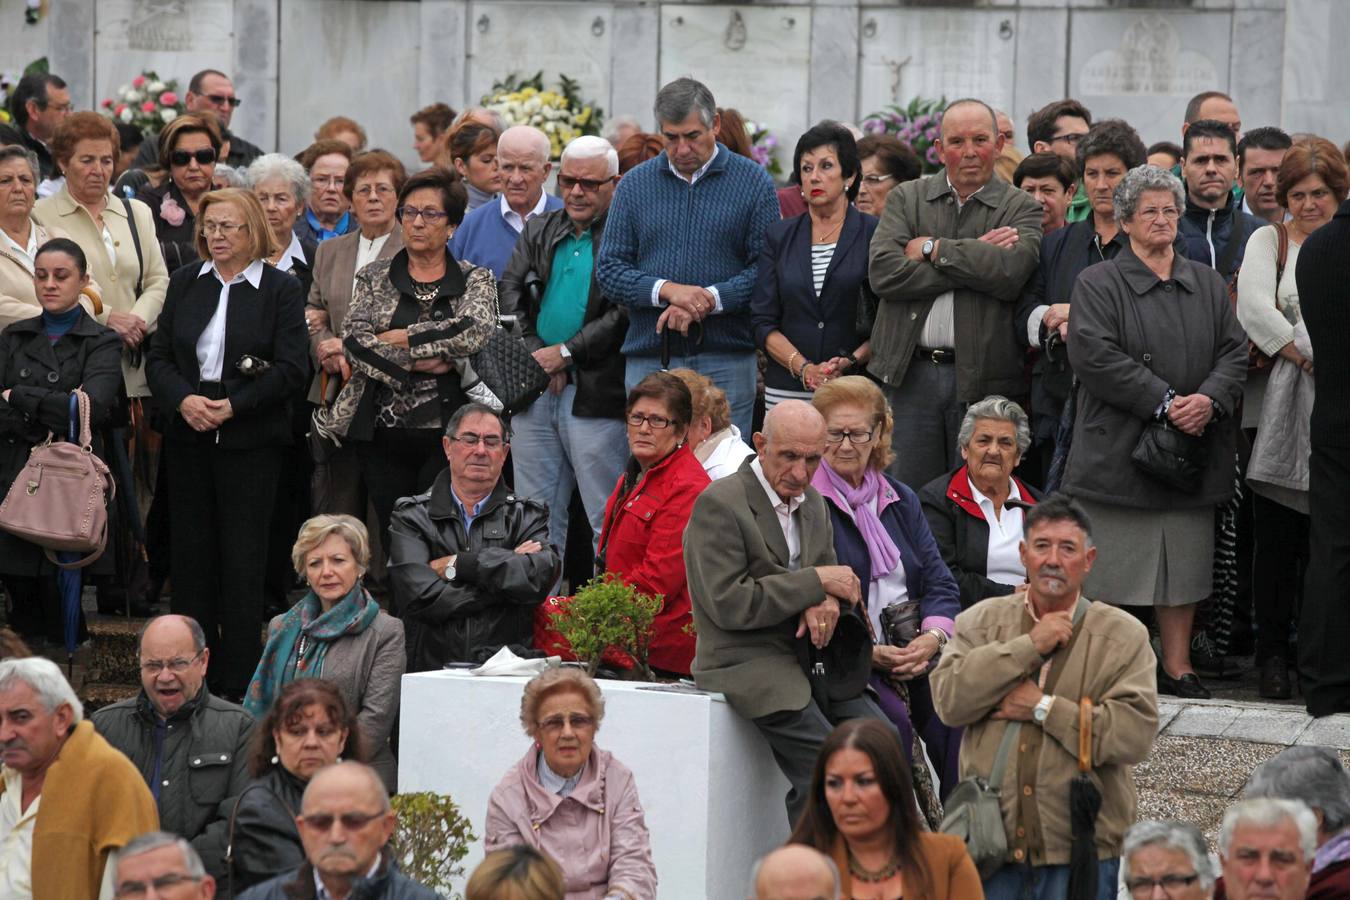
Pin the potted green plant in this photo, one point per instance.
(608, 613)
(431, 838)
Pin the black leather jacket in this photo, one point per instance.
(597, 366)
(492, 599)
(265, 842)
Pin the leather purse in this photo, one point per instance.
(1171, 456)
(59, 500)
(506, 367)
(838, 671)
(902, 623)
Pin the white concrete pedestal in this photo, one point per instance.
(708, 782)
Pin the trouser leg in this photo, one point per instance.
(795, 737)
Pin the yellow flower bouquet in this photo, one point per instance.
(557, 111)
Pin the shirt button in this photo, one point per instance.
(1024, 748)
(1021, 832)
(1019, 854)
(820, 325)
(1167, 287)
(166, 782)
(913, 316)
(197, 762)
(1026, 791)
(943, 260)
(223, 757)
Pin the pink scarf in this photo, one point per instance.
(862, 502)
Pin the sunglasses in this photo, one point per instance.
(222, 100)
(351, 821)
(183, 157)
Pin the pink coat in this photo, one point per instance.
(598, 834)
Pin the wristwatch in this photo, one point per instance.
(564, 352)
(941, 637)
(1042, 708)
(450, 569)
(927, 250)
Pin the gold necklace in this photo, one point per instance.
(825, 239)
(885, 873)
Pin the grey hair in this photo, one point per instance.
(993, 116)
(46, 680)
(468, 409)
(526, 137)
(477, 112)
(276, 165)
(614, 123)
(677, 100)
(588, 146)
(1267, 812)
(193, 626)
(1136, 182)
(16, 151)
(1000, 409)
(233, 176)
(1311, 774)
(825, 858)
(154, 840)
(1181, 836)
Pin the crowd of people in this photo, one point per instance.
(941, 479)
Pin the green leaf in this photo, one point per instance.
(39, 66)
(431, 838)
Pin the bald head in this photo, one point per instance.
(790, 447)
(351, 779)
(173, 662)
(793, 416)
(796, 872)
(524, 140)
(345, 820)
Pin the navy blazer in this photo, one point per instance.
(927, 577)
(784, 298)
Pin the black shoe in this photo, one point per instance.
(1207, 660)
(1187, 687)
(1275, 683)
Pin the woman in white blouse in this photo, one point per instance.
(716, 443)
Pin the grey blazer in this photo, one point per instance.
(745, 599)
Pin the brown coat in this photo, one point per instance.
(951, 873)
(1110, 661)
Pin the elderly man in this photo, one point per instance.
(759, 554)
(795, 872)
(470, 559)
(574, 435)
(209, 91)
(1266, 850)
(1167, 855)
(1057, 128)
(345, 824)
(681, 247)
(57, 837)
(191, 747)
(1214, 226)
(1013, 676)
(329, 211)
(164, 863)
(948, 276)
(488, 235)
(1259, 155)
(38, 105)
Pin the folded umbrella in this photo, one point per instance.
(1085, 802)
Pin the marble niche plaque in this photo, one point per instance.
(568, 38)
(1145, 66)
(756, 59)
(174, 38)
(930, 53)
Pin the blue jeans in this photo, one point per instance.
(735, 373)
(1019, 882)
(555, 451)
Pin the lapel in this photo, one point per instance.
(391, 246)
(239, 320)
(848, 236)
(40, 350)
(799, 247)
(765, 518)
(344, 272)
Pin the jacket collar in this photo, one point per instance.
(1142, 279)
(1344, 211)
(147, 710)
(1223, 213)
(443, 505)
(67, 205)
(990, 195)
(84, 325)
(589, 792)
(959, 492)
(452, 282)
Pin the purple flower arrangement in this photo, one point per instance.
(915, 124)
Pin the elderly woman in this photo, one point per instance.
(861, 812)
(254, 838)
(1156, 346)
(471, 148)
(1167, 855)
(804, 306)
(226, 382)
(1109, 150)
(976, 511)
(282, 188)
(188, 149)
(328, 213)
(570, 799)
(337, 632)
(43, 357)
(1317, 777)
(717, 443)
(21, 236)
(413, 315)
(880, 533)
(885, 161)
(1311, 184)
(429, 123)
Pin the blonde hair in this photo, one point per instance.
(317, 530)
(708, 399)
(558, 681)
(262, 244)
(516, 873)
(863, 392)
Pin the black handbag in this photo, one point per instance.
(1170, 455)
(839, 670)
(507, 368)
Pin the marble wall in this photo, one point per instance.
(786, 64)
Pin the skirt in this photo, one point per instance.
(1149, 557)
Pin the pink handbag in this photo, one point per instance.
(59, 500)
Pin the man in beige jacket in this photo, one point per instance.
(1026, 661)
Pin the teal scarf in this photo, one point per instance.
(281, 664)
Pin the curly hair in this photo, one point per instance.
(289, 708)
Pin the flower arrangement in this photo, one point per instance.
(149, 103)
(559, 112)
(609, 620)
(763, 146)
(916, 124)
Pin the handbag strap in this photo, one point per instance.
(136, 243)
(1281, 255)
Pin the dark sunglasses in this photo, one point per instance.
(222, 100)
(351, 821)
(183, 157)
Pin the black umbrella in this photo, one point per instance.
(1085, 802)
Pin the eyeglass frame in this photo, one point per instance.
(155, 666)
(587, 185)
(637, 420)
(379, 187)
(1179, 882)
(222, 100)
(877, 179)
(160, 884)
(349, 820)
(229, 229)
(577, 721)
(432, 217)
(473, 440)
(1071, 138)
(205, 156)
(1170, 213)
(851, 435)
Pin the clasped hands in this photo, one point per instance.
(686, 304)
(841, 584)
(130, 327)
(203, 414)
(1191, 413)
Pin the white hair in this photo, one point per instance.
(526, 136)
(46, 680)
(614, 123)
(154, 840)
(1181, 836)
(588, 146)
(1268, 812)
(276, 165)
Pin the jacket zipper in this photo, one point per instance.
(1209, 239)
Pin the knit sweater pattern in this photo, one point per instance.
(708, 233)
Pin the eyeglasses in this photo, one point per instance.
(177, 665)
(1171, 884)
(222, 100)
(1170, 213)
(351, 821)
(490, 441)
(366, 190)
(128, 890)
(588, 185)
(204, 157)
(430, 216)
(578, 722)
(854, 437)
(226, 228)
(59, 107)
(657, 423)
(1070, 139)
(876, 179)
(329, 181)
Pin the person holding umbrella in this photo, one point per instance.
(1025, 675)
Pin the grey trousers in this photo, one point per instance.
(795, 737)
(927, 418)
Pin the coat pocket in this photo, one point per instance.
(209, 775)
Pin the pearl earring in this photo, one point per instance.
(275, 760)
